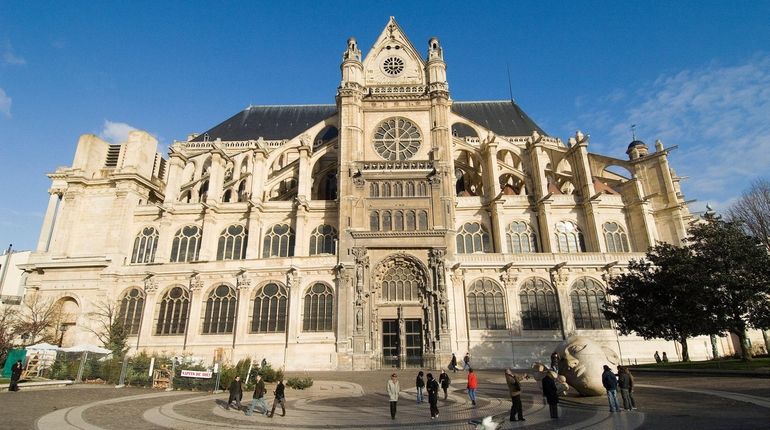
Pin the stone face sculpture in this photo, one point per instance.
(539, 371)
(581, 361)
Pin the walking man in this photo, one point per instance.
(259, 397)
(443, 380)
(236, 393)
(467, 361)
(626, 385)
(453, 363)
(610, 382)
(393, 390)
(473, 383)
(279, 399)
(515, 390)
(433, 396)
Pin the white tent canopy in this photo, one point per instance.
(86, 347)
(43, 347)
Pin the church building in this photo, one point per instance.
(391, 228)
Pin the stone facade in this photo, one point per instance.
(391, 230)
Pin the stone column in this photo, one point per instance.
(151, 297)
(174, 182)
(360, 337)
(196, 309)
(294, 282)
(560, 281)
(243, 284)
(49, 222)
(509, 277)
(302, 241)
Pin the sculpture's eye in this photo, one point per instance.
(574, 349)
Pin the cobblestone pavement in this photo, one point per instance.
(358, 400)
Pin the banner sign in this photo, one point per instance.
(197, 373)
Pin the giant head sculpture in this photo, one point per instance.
(581, 360)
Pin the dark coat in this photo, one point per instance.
(609, 380)
(454, 361)
(419, 382)
(16, 371)
(259, 389)
(279, 391)
(443, 379)
(236, 388)
(549, 390)
(432, 391)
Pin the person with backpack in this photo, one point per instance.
(444, 381)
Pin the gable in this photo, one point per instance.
(393, 60)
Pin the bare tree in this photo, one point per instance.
(107, 326)
(8, 331)
(39, 319)
(753, 210)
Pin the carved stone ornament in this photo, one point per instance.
(559, 276)
(509, 276)
(358, 181)
(195, 282)
(150, 284)
(293, 278)
(243, 281)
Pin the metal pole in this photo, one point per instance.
(217, 369)
(83, 359)
(123, 371)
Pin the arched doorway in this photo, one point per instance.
(67, 311)
(404, 312)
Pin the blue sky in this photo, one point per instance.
(692, 73)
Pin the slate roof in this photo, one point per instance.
(504, 117)
(269, 122)
(285, 122)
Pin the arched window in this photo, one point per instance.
(422, 189)
(398, 190)
(401, 282)
(279, 242)
(569, 238)
(130, 310)
(374, 221)
(410, 220)
(386, 190)
(145, 244)
(172, 315)
(242, 195)
(521, 238)
(616, 238)
(270, 306)
(410, 189)
(220, 310)
(374, 189)
(486, 305)
(473, 237)
(186, 244)
(232, 243)
(203, 191)
(422, 220)
(587, 298)
(322, 240)
(398, 221)
(386, 222)
(319, 305)
(539, 307)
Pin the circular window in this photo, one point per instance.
(393, 66)
(397, 139)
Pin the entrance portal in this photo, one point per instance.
(394, 352)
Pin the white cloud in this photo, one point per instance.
(5, 103)
(719, 115)
(116, 132)
(9, 57)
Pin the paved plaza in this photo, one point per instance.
(351, 400)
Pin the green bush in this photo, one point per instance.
(267, 372)
(300, 383)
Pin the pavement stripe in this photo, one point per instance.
(759, 401)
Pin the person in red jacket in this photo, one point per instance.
(473, 383)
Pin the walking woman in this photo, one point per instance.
(280, 399)
(393, 390)
(443, 380)
(433, 396)
(420, 384)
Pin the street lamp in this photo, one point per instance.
(62, 329)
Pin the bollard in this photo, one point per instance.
(123, 371)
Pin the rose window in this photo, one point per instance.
(397, 139)
(393, 66)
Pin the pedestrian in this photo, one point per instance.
(473, 383)
(453, 363)
(419, 382)
(280, 399)
(514, 389)
(433, 396)
(259, 397)
(16, 371)
(665, 357)
(236, 393)
(444, 381)
(551, 394)
(555, 362)
(626, 385)
(657, 357)
(393, 390)
(610, 382)
(467, 361)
